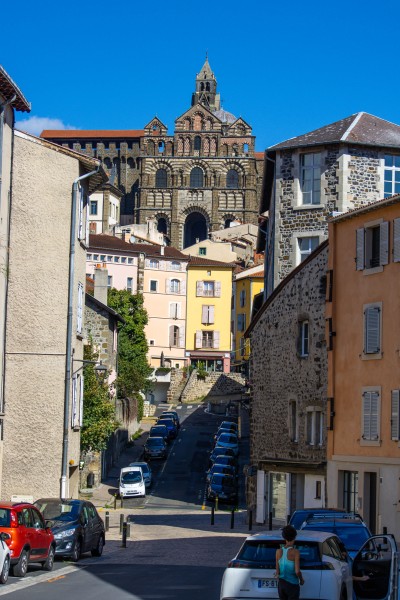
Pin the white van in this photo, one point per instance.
(131, 482)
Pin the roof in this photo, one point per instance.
(9, 89)
(91, 133)
(206, 70)
(302, 536)
(258, 274)
(366, 209)
(155, 250)
(224, 116)
(197, 261)
(259, 155)
(111, 311)
(360, 128)
(103, 241)
(282, 284)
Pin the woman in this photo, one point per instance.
(288, 566)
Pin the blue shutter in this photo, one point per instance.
(360, 260)
(372, 330)
(395, 415)
(384, 243)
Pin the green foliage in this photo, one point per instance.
(202, 373)
(98, 410)
(133, 369)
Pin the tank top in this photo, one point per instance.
(287, 568)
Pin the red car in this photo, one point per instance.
(30, 540)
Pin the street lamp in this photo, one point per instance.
(99, 367)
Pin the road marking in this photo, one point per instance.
(190, 406)
(56, 578)
(178, 407)
(44, 578)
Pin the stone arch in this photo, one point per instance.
(228, 217)
(150, 148)
(196, 225)
(187, 123)
(166, 219)
(198, 121)
(224, 150)
(209, 124)
(207, 146)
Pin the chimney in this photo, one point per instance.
(101, 283)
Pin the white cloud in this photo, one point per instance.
(35, 125)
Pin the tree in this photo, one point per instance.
(98, 409)
(133, 368)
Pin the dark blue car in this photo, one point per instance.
(223, 487)
(170, 425)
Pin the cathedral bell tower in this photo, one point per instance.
(206, 89)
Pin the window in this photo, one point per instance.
(207, 314)
(175, 310)
(394, 421)
(77, 401)
(197, 143)
(109, 258)
(306, 246)
(350, 490)
(175, 286)
(175, 266)
(79, 308)
(123, 259)
(153, 285)
(174, 336)
(95, 257)
(109, 281)
(232, 179)
(314, 426)
(203, 251)
(207, 339)
(161, 147)
(241, 322)
(129, 284)
(372, 329)
(372, 246)
(88, 257)
(310, 177)
(196, 178)
(243, 298)
(304, 338)
(392, 175)
(130, 261)
(154, 264)
(102, 257)
(161, 178)
(293, 432)
(93, 207)
(318, 490)
(116, 259)
(370, 415)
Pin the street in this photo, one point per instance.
(173, 550)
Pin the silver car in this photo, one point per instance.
(147, 474)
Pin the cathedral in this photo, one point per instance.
(198, 180)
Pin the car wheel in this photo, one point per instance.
(5, 570)
(76, 551)
(20, 569)
(49, 562)
(98, 551)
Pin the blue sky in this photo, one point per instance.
(286, 67)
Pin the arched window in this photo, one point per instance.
(196, 178)
(161, 178)
(245, 148)
(162, 225)
(232, 179)
(107, 163)
(161, 146)
(228, 223)
(202, 86)
(174, 336)
(197, 143)
(175, 286)
(154, 264)
(207, 86)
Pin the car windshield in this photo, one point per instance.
(153, 441)
(131, 477)
(352, 536)
(222, 479)
(226, 438)
(144, 466)
(161, 429)
(227, 425)
(262, 552)
(167, 422)
(56, 510)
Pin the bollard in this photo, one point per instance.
(115, 501)
(212, 515)
(107, 521)
(124, 533)
(270, 521)
(122, 502)
(121, 522)
(216, 502)
(250, 520)
(232, 518)
(128, 529)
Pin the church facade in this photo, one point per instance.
(198, 180)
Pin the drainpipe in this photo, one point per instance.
(270, 231)
(68, 357)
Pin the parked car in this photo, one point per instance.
(159, 431)
(231, 425)
(131, 483)
(29, 540)
(5, 554)
(147, 474)
(379, 559)
(173, 414)
(351, 530)
(221, 432)
(218, 468)
(76, 525)
(155, 447)
(251, 574)
(223, 487)
(217, 452)
(170, 425)
(228, 440)
(298, 517)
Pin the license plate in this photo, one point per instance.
(267, 583)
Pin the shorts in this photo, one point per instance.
(287, 590)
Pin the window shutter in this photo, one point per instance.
(171, 335)
(216, 339)
(198, 339)
(366, 433)
(79, 308)
(395, 415)
(218, 289)
(211, 315)
(384, 243)
(360, 261)
(168, 286)
(372, 330)
(183, 287)
(87, 223)
(396, 240)
(73, 409)
(172, 310)
(181, 337)
(204, 314)
(178, 310)
(80, 214)
(81, 402)
(374, 416)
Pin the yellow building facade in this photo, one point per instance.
(208, 313)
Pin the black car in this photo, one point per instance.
(159, 431)
(224, 459)
(76, 525)
(155, 447)
(171, 414)
(219, 451)
(170, 425)
(223, 487)
(218, 468)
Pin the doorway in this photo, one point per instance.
(195, 229)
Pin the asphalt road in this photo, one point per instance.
(186, 561)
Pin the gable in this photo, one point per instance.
(240, 127)
(155, 127)
(197, 108)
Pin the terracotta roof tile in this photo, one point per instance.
(102, 241)
(76, 134)
(197, 261)
(259, 155)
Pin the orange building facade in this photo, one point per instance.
(363, 340)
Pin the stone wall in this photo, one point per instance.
(214, 384)
(99, 327)
(280, 375)
(179, 379)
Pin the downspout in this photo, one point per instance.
(270, 229)
(68, 356)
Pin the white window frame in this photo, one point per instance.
(364, 237)
(367, 335)
(304, 338)
(371, 437)
(156, 282)
(303, 255)
(317, 425)
(154, 263)
(393, 170)
(129, 287)
(310, 168)
(109, 282)
(175, 283)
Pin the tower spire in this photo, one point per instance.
(206, 88)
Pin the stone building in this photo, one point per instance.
(198, 180)
(288, 371)
(336, 168)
